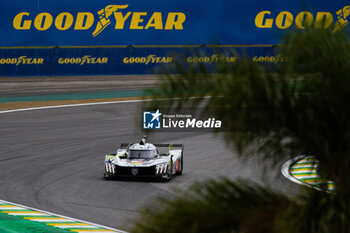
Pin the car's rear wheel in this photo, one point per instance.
(181, 166)
(170, 173)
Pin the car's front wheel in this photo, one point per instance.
(106, 176)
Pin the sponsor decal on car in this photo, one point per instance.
(134, 162)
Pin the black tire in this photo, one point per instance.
(106, 177)
(182, 165)
(170, 174)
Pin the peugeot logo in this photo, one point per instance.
(134, 171)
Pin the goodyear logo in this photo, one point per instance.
(22, 60)
(87, 59)
(150, 59)
(304, 19)
(215, 58)
(86, 20)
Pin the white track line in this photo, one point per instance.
(89, 104)
(62, 216)
(51, 220)
(286, 173)
(74, 105)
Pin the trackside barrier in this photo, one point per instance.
(134, 37)
(111, 60)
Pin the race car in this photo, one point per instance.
(144, 159)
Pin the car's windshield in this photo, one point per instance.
(141, 154)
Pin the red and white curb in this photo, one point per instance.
(54, 220)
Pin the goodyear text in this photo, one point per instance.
(87, 59)
(85, 20)
(150, 59)
(21, 60)
(303, 19)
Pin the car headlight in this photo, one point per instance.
(110, 168)
(161, 168)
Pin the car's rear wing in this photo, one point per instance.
(170, 146)
(124, 145)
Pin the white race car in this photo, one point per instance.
(144, 159)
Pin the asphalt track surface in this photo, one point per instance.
(26, 86)
(52, 159)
